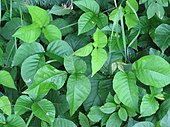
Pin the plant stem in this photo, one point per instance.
(29, 120)
(68, 25)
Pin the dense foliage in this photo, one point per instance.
(88, 63)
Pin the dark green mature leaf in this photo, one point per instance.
(164, 107)
(15, 121)
(75, 65)
(59, 10)
(78, 89)
(88, 5)
(156, 74)
(144, 124)
(52, 33)
(126, 89)
(22, 105)
(84, 122)
(102, 20)
(39, 16)
(44, 110)
(114, 121)
(149, 106)
(25, 50)
(165, 121)
(61, 122)
(1, 57)
(86, 22)
(5, 105)
(99, 57)
(28, 33)
(30, 66)
(6, 79)
(162, 36)
(108, 108)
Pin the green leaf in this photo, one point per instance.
(78, 89)
(86, 22)
(134, 5)
(149, 106)
(156, 74)
(151, 10)
(100, 39)
(30, 66)
(126, 89)
(52, 33)
(164, 107)
(26, 50)
(39, 16)
(1, 57)
(102, 20)
(84, 122)
(108, 108)
(88, 5)
(28, 33)
(15, 121)
(131, 20)
(115, 15)
(165, 121)
(99, 57)
(59, 10)
(144, 124)
(22, 105)
(162, 36)
(84, 51)
(95, 114)
(114, 121)
(61, 122)
(5, 105)
(44, 110)
(74, 65)
(6, 79)
(122, 113)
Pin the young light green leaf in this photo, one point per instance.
(28, 33)
(95, 114)
(133, 4)
(122, 113)
(25, 50)
(114, 121)
(149, 106)
(126, 89)
(99, 57)
(108, 108)
(5, 105)
(84, 51)
(6, 79)
(52, 33)
(44, 110)
(15, 121)
(61, 122)
(144, 124)
(156, 74)
(22, 105)
(88, 5)
(131, 20)
(39, 16)
(84, 122)
(86, 22)
(78, 89)
(100, 39)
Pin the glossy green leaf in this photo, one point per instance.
(149, 106)
(61, 122)
(15, 121)
(22, 105)
(164, 107)
(99, 57)
(114, 121)
(156, 74)
(28, 33)
(60, 10)
(84, 122)
(86, 22)
(74, 65)
(88, 5)
(6, 79)
(162, 36)
(165, 121)
(126, 89)
(100, 39)
(144, 124)
(25, 50)
(84, 51)
(44, 110)
(39, 16)
(30, 66)
(5, 105)
(78, 89)
(122, 113)
(133, 4)
(102, 20)
(108, 108)
(131, 20)
(52, 33)
(95, 114)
